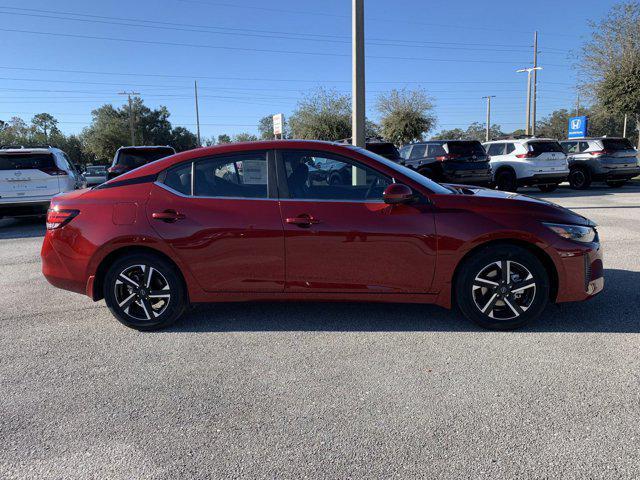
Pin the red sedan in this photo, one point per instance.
(301, 220)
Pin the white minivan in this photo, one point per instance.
(29, 177)
(526, 162)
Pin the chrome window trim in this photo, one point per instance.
(180, 194)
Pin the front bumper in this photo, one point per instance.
(580, 271)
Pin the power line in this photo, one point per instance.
(251, 50)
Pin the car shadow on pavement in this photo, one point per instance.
(614, 311)
(26, 227)
(595, 190)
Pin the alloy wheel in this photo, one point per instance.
(142, 292)
(504, 290)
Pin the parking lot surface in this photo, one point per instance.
(298, 390)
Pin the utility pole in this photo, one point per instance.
(358, 88)
(195, 85)
(358, 175)
(535, 82)
(577, 104)
(488, 135)
(527, 129)
(624, 126)
(131, 120)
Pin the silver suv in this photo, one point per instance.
(608, 159)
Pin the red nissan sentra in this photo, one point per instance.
(302, 220)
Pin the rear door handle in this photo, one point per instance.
(168, 216)
(303, 220)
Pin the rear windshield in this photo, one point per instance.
(138, 157)
(465, 148)
(616, 144)
(544, 147)
(26, 161)
(386, 149)
(94, 170)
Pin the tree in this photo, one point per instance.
(44, 124)
(183, 139)
(475, 131)
(406, 115)
(245, 137)
(322, 115)
(610, 62)
(265, 127)
(224, 138)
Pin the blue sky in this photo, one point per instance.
(254, 58)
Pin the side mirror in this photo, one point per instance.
(397, 193)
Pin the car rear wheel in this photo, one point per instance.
(502, 287)
(548, 188)
(507, 181)
(580, 178)
(144, 292)
(616, 183)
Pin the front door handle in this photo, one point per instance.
(303, 220)
(168, 216)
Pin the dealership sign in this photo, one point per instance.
(278, 122)
(578, 127)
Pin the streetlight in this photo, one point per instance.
(528, 70)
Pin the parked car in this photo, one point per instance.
(379, 146)
(455, 161)
(129, 158)
(95, 174)
(527, 162)
(245, 222)
(608, 159)
(29, 177)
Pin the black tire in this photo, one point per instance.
(130, 304)
(510, 309)
(548, 188)
(616, 183)
(580, 178)
(506, 181)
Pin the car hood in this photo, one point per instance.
(484, 199)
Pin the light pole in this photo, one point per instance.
(358, 89)
(535, 83)
(131, 127)
(488, 135)
(527, 129)
(624, 126)
(195, 86)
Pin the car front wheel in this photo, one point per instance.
(502, 287)
(144, 292)
(580, 178)
(507, 181)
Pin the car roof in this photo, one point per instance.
(593, 138)
(28, 150)
(145, 147)
(523, 140)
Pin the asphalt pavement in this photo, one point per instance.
(298, 390)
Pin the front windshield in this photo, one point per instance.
(412, 174)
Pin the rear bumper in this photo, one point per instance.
(24, 207)
(467, 173)
(616, 173)
(58, 265)
(544, 178)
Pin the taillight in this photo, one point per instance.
(57, 217)
(598, 153)
(53, 171)
(526, 155)
(448, 156)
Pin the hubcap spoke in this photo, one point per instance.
(127, 301)
(159, 294)
(123, 278)
(147, 276)
(521, 286)
(488, 308)
(146, 306)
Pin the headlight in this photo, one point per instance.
(577, 233)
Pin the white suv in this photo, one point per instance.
(526, 162)
(29, 177)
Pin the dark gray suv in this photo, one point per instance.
(455, 161)
(608, 159)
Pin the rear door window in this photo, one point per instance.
(239, 176)
(179, 179)
(569, 147)
(583, 146)
(435, 150)
(616, 144)
(418, 151)
(27, 161)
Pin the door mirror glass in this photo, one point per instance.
(397, 193)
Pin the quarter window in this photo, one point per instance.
(241, 176)
(496, 149)
(510, 148)
(418, 151)
(179, 179)
(320, 176)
